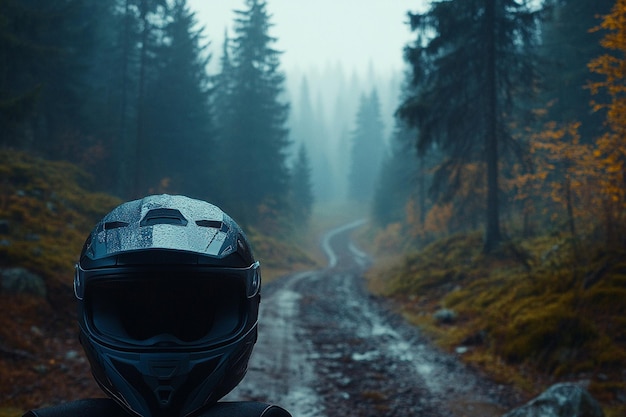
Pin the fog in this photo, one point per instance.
(333, 53)
(324, 105)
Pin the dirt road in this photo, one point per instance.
(328, 348)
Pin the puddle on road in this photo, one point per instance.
(367, 356)
(280, 370)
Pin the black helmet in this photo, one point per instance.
(168, 296)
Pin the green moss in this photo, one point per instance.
(543, 304)
(548, 337)
(605, 300)
(278, 255)
(10, 412)
(50, 209)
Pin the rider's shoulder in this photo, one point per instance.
(89, 407)
(244, 409)
(106, 407)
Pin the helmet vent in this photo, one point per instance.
(164, 394)
(214, 224)
(163, 216)
(114, 225)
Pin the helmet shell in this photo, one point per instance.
(166, 222)
(174, 244)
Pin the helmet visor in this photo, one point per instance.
(157, 309)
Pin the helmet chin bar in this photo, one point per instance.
(170, 384)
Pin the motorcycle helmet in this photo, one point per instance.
(168, 295)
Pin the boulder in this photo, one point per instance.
(445, 315)
(19, 280)
(560, 400)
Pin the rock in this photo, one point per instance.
(462, 349)
(40, 369)
(71, 355)
(560, 400)
(445, 315)
(20, 280)
(4, 226)
(475, 339)
(32, 237)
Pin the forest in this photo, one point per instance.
(122, 90)
(508, 127)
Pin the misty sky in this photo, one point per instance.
(314, 34)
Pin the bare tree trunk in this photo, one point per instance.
(139, 145)
(570, 206)
(422, 192)
(123, 161)
(492, 232)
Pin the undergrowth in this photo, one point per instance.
(46, 212)
(531, 313)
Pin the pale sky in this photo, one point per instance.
(316, 33)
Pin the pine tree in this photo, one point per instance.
(177, 115)
(149, 11)
(309, 129)
(368, 148)
(397, 181)
(471, 61)
(20, 89)
(45, 47)
(223, 88)
(301, 187)
(255, 138)
(567, 46)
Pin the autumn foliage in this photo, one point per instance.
(559, 180)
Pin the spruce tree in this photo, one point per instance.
(301, 187)
(309, 129)
(20, 88)
(567, 46)
(178, 119)
(150, 18)
(44, 50)
(367, 150)
(397, 180)
(254, 137)
(471, 61)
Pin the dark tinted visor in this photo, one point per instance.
(156, 308)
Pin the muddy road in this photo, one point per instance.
(327, 348)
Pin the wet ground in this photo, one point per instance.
(328, 348)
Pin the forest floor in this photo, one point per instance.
(533, 313)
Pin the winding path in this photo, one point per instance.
(327, 348)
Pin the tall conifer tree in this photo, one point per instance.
(178, 120)
(368, 148)
(471, 61)
(255, 138)
(567, 46)
(301, 187)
